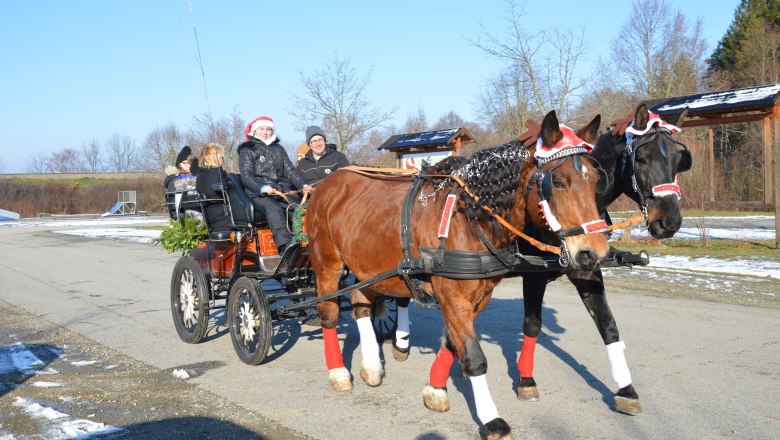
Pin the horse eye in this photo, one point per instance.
(641, 160)
(559, 184)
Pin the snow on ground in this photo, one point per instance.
(52, 424)
(120, 228)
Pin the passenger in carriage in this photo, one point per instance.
(210, 175)
(322, 158)
(183, 183)
(184, 177)
(265, 170)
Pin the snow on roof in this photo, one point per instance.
(750, 96)
(426, 138)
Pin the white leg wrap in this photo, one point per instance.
(368, 345)
(617, 363)
(486, 408)
(340, 374)
(402, 333)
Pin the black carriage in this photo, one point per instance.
(239, 270)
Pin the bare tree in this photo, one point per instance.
(36, 164)
(66, 160)
(92, 156)
(122, 153)
(336, 99)
(162, 145)
(416, 123)
(539, 76)
(656, 54)
(228, 132)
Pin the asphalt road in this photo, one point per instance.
(703, 369)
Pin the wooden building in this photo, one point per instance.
(412, 149)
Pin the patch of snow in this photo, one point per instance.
(127, 234)
(110, 367)
(17, 357)
(51, 223)
(82, 363)
(37, 410)
(44, 384)
(59, 425)
(749, 266)
(181, 374)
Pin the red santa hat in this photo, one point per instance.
(262, 121)
(653, 120)
(570, 141)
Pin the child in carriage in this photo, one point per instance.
(210, 177)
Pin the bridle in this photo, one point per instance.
(543, 180)
(633, 143)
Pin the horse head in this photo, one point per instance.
(563, 184)
(650, 164)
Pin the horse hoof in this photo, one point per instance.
(528, 394)
(371, 373)
(628, 406)
(400, 354)
(497, 429)
(435, 399)
(340, 380)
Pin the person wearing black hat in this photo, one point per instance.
(186, 170)
(322, 158)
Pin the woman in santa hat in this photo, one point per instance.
(266, 168)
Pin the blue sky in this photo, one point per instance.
(77, 70)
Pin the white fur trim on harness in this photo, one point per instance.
(549, 217)
(368, 344)
(486, 408)
(618, 364)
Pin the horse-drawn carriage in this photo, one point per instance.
(239, 270)
(552, 185)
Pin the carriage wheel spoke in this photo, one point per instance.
(188, 300)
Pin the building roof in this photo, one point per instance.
(427, 139)
(738, 105)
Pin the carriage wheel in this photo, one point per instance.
(249, 320)
(384, 318)
(189, 300)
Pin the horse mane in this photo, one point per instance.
(492, 174)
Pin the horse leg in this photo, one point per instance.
(459, 313)
(402, 332)
(591, 289)
(534, 286)
(371, 370)
(340, 379)
(435, 393)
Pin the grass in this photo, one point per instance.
(693, 248)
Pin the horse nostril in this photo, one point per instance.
(586, 259)
(664, 229)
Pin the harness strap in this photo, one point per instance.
(410, 265)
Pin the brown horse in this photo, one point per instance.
(356, 220)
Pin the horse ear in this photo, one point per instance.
(641, 117)
(686, 160)
(551, 130)
(589, 132)
(680, 118)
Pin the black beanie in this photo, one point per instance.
(183, 155)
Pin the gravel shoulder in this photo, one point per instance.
(88, 381)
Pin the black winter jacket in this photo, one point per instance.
(262, 164)
(216, 213)
(316, 170)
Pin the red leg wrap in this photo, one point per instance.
(440, 370)
(526, 362)
(333, 357)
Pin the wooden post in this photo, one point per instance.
(711, 163)
(766, 141)
(776, 143)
